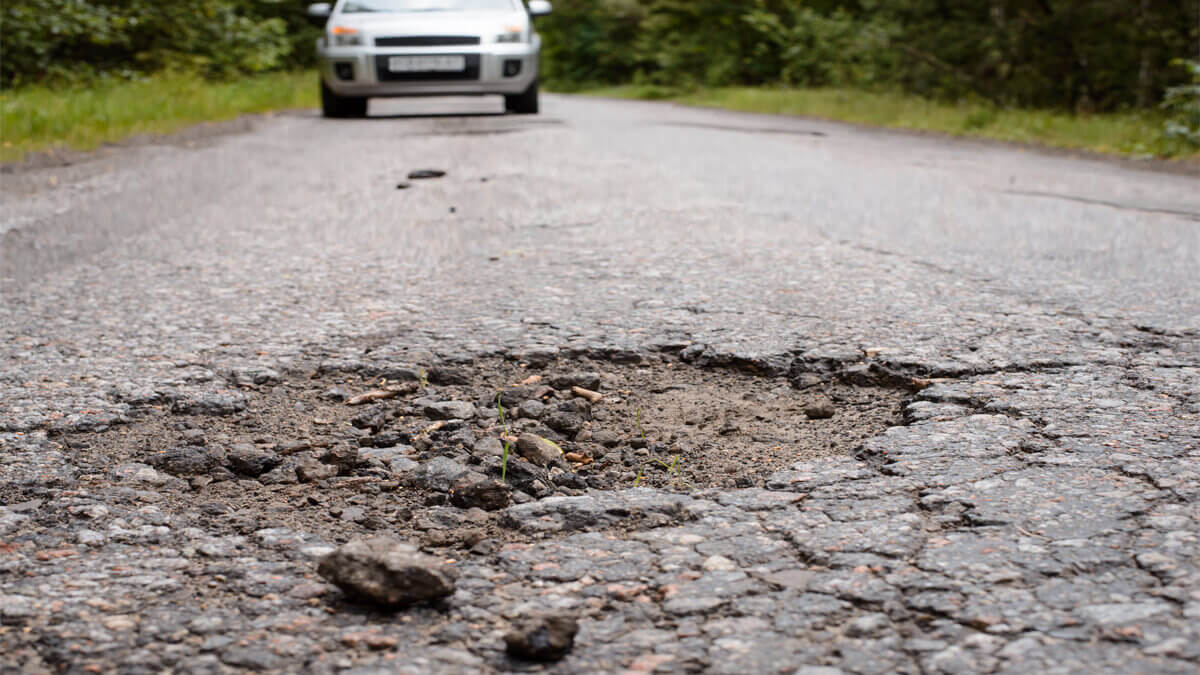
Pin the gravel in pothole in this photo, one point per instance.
(343, 455)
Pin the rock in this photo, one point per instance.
(425, 174)
(343, 456)
(387, 572)
(193, 437)
(488, 446)
(402, 465)
(440, 473)
(249, 460)
(606, 437)
(867, 625)
(311, 471)
(584, 380)
(568, 424)
(189, 460)
(542, 638)
(533, 409)
(210, 404)
(449, 410)
(488, 494)
(538, 450)
(284, 474)
(820, 409)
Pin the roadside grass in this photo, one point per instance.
(1137, 134)
(83, 118)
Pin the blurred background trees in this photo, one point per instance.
(1076, 54)
(1080, 55)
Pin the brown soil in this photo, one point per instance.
(667, 425)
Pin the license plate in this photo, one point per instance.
(427, 64)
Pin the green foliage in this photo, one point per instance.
(1182, 104)
(1082, 55)
(507, 443)
(74, 40)
(38, 117)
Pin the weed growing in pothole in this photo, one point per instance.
(507, 442)
(674, 469)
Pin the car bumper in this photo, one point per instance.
(368, 73)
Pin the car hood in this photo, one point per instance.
(432, 23)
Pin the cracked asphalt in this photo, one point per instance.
(1037, 510)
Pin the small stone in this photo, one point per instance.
(425, 174)
(387, 572)
(538, 450)
(820, 409)
(584, 380)
(533, 409)
(867, 625)
(188, 460)
(489, 495)
(249, 460)
(488, 446)
(565, 423)
(719, 563)
(311, 471)
(449, 410)
(542, 638)
(440, 473)
(343, 456)
(193, 437)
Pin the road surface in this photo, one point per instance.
(1035, 507)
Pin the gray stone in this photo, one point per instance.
(538, 450)
(542, 638)
(210, 404)
(188, 460)
(440, 473)
(250, 460)
(310, 470)
(488, 446)
(820, 409)
(586, 380)
(449, 410)
(387, 572)
(489, 495)
(533, 409)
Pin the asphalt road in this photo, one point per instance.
(1055, 300)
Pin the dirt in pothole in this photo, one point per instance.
(393, 464)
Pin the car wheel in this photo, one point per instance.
(525, 103)
(336, 106)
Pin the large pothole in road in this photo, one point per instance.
(345, 453)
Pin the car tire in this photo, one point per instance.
(525, 103)
(335, 106)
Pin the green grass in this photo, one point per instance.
(83, 118)
(1132, 134)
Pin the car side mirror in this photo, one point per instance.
(318, 13)
(540, 7)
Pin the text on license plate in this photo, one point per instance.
(424, 64)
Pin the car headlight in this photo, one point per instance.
(346, 37)
(511, 34)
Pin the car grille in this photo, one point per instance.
(471, 72)
(427, 41)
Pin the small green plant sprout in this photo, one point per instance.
(507, 443)
(674, 470)
(638, 419)
(422, 379)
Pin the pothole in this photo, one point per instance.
(301, 456)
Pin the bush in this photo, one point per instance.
(72, 40)
(1182, 105)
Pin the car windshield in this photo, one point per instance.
(426, 5)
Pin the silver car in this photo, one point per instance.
(374, 48)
